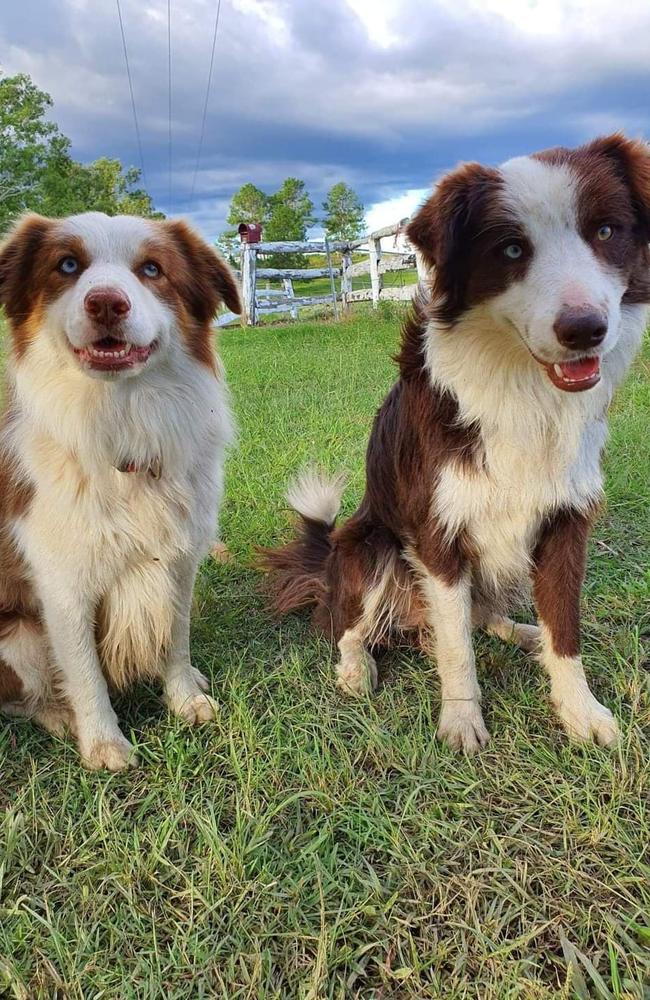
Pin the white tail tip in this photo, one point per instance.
(315, 496)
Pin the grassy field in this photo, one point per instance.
(308, 847)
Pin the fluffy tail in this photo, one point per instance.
(297, 570)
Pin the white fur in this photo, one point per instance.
(97, 537)
(315, 496)
(449, 614)
(564, 270)
(541, 446)
(582, 716)
(356, 671)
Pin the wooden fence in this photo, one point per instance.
(259, 301)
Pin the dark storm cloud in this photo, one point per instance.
(300, 88)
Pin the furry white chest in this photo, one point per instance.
(123, 540)
(520, 482)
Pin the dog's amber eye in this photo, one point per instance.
(605, 233)
(150, 269)
(68, 265)
(513, 251)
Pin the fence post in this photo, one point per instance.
(346, 280)
(287, 284)
(374, 253)
(248, 269)
(332, 284)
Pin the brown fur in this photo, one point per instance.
(415, 433)
(194, 281)
(461, 231)
(559, 562)
(614, 175)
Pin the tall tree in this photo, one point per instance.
(37, 170)
(249, 204)
(292, 211)
(27, 141)
(344, 213)
(292, 214)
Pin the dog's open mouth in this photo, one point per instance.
(113, 354)
(574, 376)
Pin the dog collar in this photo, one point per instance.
(153, 469)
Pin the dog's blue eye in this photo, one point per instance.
(605, 233)
(69, 265)
(513, 251)
(151, 270)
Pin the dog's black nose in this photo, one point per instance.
(107, 305)
(580, 328)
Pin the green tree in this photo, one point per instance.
(249, 204)
(344, 213)
(292, 214)
(27, 141)
(37, 170)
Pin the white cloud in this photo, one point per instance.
(401, 206)
(380, 93)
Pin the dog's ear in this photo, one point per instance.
(631, 161)
(211, 280)
(18, 257)
(445, 225)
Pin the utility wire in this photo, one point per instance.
(207, 99)
(169, 100)
(128, 74)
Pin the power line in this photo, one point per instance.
(128, 74)
(169, 101)
(207, 99)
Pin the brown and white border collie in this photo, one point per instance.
(111, 455)
(483, 467)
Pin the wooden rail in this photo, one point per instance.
(260, 301)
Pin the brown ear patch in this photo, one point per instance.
(614, 186)
(194, 282)
(19, 256)
(446, 228)
(630, 159)
(209, 281)
(21, 277)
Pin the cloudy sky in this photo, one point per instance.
(383, 94)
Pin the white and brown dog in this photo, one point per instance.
(483, 468)
(111, 466)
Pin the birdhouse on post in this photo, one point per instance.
(250, 232)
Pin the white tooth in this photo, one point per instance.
(558, 371)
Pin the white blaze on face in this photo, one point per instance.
(114, 247)
(563, 270)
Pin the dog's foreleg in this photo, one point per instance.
(449, 616)
(69, 620)
(559, 566)
(185, 688)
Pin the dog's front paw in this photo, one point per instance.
(195, 708)
(110, 755)
(357, 676)
(584, 718)
(461, 726)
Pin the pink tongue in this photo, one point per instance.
(583, 369)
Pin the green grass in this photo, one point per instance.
(309, 847)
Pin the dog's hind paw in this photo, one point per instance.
(357, 677)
